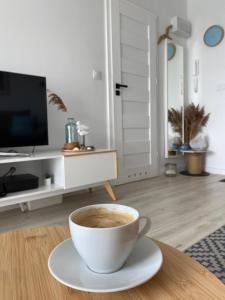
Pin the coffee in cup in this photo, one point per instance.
(103, 218)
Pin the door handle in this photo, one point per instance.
(119, 85)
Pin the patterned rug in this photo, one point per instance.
(210, 252)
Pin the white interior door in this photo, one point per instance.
(131, 50)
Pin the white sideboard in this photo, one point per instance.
(70, 172)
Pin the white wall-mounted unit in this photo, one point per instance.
(181, 27)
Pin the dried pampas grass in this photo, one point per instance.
(194, 119)
(175, 119)
(56, 100)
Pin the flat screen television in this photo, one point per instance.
(23, 110)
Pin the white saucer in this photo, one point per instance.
(68, 268)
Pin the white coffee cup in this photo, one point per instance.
(105, 250)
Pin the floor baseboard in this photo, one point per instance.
(215, 171)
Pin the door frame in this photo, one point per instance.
(111, 7)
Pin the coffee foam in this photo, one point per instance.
(102, 218)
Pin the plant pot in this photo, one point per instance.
(195, 163)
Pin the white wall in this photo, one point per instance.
(64, 40)
(202, 14)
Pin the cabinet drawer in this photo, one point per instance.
(88, 169)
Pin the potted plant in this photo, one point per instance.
(193, 118)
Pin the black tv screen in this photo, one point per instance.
(23, 110)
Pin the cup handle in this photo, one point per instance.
(146, 227)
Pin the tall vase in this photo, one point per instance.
(71, 131)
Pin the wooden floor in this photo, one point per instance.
(183, 209)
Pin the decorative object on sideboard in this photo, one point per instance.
(71, 132)
(56, 100)
(71, 146)
(166, 35)
(82, 130)
(73, 129)
(79, 149)
(213, 36)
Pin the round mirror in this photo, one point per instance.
(213, 35)
(171, 49)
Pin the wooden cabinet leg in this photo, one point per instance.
(109, 190)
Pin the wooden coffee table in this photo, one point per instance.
(24, 272)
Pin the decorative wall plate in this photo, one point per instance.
(213, 36)
(171, 51)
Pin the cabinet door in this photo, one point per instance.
(90, 169)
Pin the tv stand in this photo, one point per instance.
(14, 154)
(69, 172)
